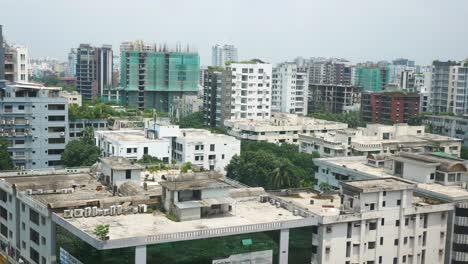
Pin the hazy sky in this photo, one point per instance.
(272, 30)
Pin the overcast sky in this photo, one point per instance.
(273, 30)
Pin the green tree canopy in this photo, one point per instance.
(194, 120)
(79, 153)
(353, 119)
(5, 159)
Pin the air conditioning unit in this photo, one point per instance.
(119, 209)
(29, 191)
(135, 209)
(142, 208)
(40, 191)
(78, 212)
(87, 211)
(100, 212)
(106, 212)
(113, 210)
(263, 198)
(62, 134)
(272, 201)
(68, 213)
(94, 211)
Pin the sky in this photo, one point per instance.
(271, 30)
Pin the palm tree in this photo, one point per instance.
(281, 177)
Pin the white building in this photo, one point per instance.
(377, 139)
(118, 170)
(205, 149)
(250, 87)
(280, 128)
(72, 97)
(17, 63)
(289, 89)
(133, 144)
(222, 54)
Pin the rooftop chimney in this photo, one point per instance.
(2, 59)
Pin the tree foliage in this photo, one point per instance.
(101, 231)
(5, 159)
(464, 152)
(194, 120)
(272, 166)
(148, 159)
(80, 153)
(353, 119)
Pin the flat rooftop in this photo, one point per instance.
(128, 135)
(245, 211)
(357, 164)
(197, 184)
(446, 192)
(119, 163)
(323, 205)
(376, 185)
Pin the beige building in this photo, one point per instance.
(72, 97)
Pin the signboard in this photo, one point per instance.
(67, 258)
(259, 257)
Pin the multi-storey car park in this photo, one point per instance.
(51, 216)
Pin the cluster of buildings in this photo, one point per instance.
(402, 208)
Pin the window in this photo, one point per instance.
(372, 225)
(43, 260)
(372, 206)
(384, 203)
(398, 202)
(405, 240)
(199, 147)
(56, 140)
(34, 216)
(3, 213)
(4, 230)
(56, 107)
(3, 196)
(212, 147)
(20, 107)
(396, 242)
(329, 229)
(8, 108)
(432, 177)
(404, 259)
(23, 226)
(382, 221)
(395, 260)
(34, 236)
(43, 240)
(381, 240)
(212, 157)
(128, 174)
(34, 255)
(23, 244)
(371, 245)
(406, 221)
(56, 118)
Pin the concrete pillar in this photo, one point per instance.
(284, 246)
(140, 255)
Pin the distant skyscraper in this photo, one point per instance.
(94, 69)
(72, 60)
(221, 54)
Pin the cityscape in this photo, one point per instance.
(165, 151)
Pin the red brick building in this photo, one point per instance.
(389, 107)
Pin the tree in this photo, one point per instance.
(194, 120)
(464, 152)
(148, 159)
(88, 135)
(282, 175)
(5, 159)
(186, 167)
(101, 231)
(79, 153)
(325, 187)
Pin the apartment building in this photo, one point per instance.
(76, 127)
(450, 126)
(17, 65)
(205, 149)
(441, 95)
(152, 75)
(369, 221)
(377, 139)
(34, 119)
(289, 89)
(213, 91)
(458, 86)
(280, 128)
(94, 69)
(72, 97)
(220, 54)
(248, 91)
(333, 98)
(329, 71)
(72, 61)
(439, 177)
(389, 107)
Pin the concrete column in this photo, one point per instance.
(284, 246)
(140, 255)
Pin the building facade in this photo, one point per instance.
(94, 70)
(72, 61)
(450, 126)
(333, 98)
(372, 78)
(389, 107)
(213, 88)
(329, 71)
(153, 76)
(440, 93)
(222, 54)
(34, 119)
(289, 89)
(17, 65)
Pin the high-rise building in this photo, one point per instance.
(72, 61)
(212, 96)
(2, 59)
(289, 89)
(458, 86)
(222, 54)
(389, 107)
(440, 94)
(248, 91)
(16, 63)
(333, 98)
(34, 119)
(152, 76)
(372, 78)
(94, 70)
(330, 71)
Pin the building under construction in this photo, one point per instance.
(332, 98)
(152, 76)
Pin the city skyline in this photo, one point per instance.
(420, 30)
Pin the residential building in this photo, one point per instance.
(372, 78)
(213, 92)
(16, 63)
(280, 128)
(333, 98)
(205, 149)
(153, 76)
(450, 126)
(34, 119)
(72, 62)
(289, 89)
(222, 54)
(439, 177)
(458, 85)
(72, 97)
(94, 70)
(76, 127)
(247, 91)
(2, 59)
(403, 62)
(441, 100)
(377, 139)
(389, 107)
(329, 71)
